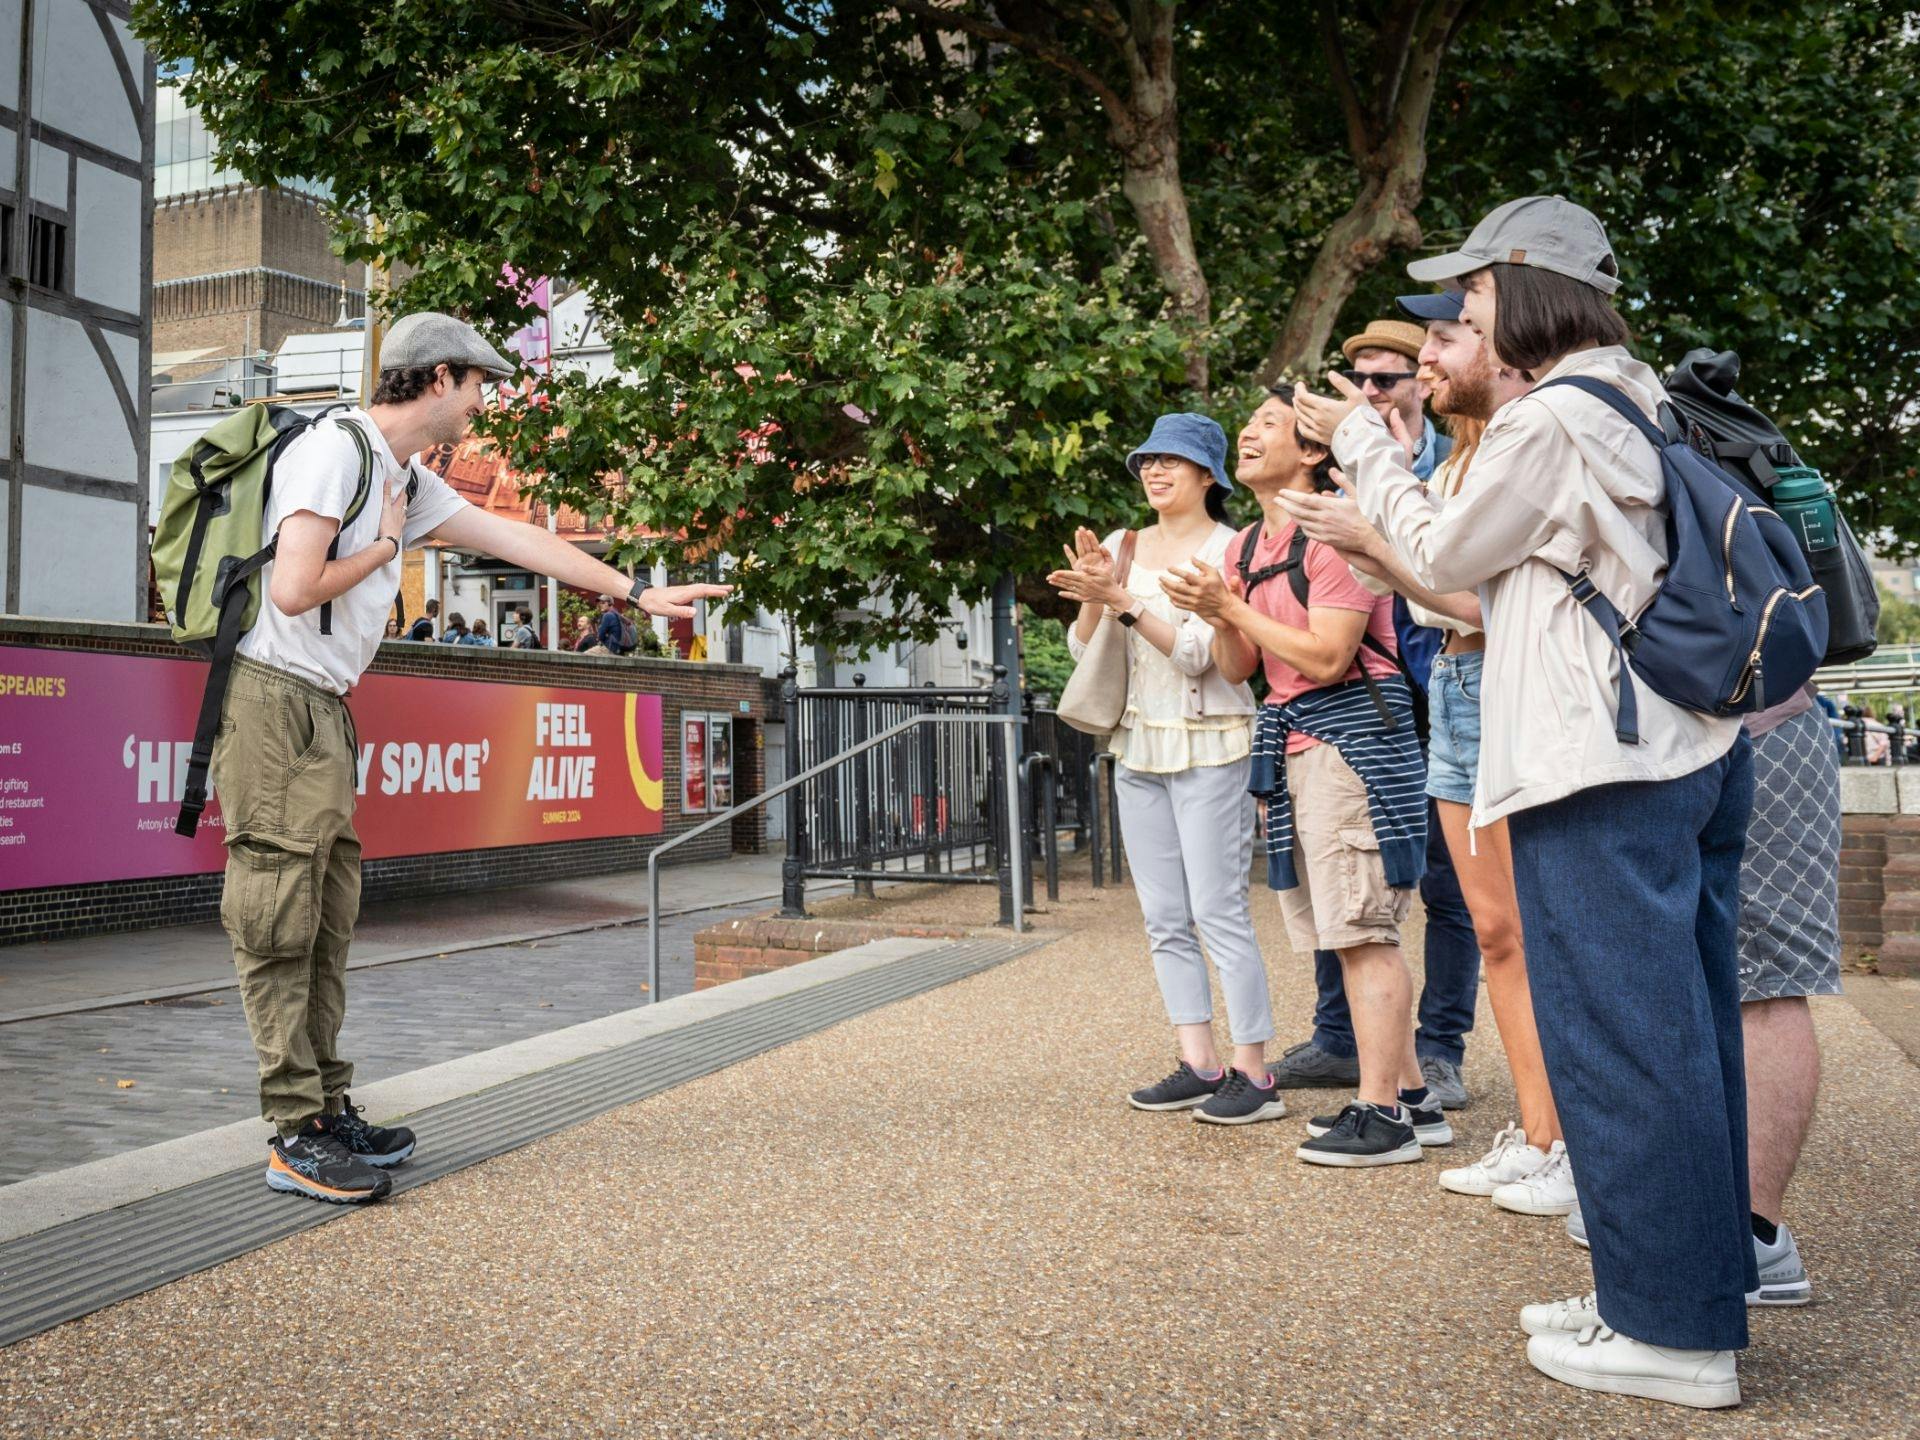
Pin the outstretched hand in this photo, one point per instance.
(676, 601)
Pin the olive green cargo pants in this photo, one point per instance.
(283, 766)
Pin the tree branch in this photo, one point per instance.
(1360, 140)
(1119, 113)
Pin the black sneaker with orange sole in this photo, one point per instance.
(317, 1163)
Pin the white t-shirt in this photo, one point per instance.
(319, 472)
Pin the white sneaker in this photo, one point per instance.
(1602, 1359)
(1510, 1159)
(1783, 1279)
(1547, 1191)
(1562, 1317)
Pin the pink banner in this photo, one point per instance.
(94, 749)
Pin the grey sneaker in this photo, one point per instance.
(1577, 1227)
(1307, 1067)
(1444, 1082)
(1783, 1279)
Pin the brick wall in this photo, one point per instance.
(1863, 859)
(53, 912)
(735, 949)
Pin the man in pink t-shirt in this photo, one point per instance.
(1340, 898)
(1331, 585)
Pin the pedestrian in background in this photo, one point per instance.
(479, 634)
(455, 632)
(422, 628)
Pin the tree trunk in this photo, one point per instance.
(1387, 135)
(1380, 219)
(1150, 154)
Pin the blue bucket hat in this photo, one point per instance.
(1191, 437)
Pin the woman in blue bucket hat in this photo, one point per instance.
(1184, 747)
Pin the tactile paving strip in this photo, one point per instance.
(73, 1269)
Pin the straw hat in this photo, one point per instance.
(1395, 335)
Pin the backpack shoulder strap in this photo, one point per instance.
(363, 486)
(1296, 566)
(1610, 396)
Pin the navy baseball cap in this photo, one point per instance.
(1192, 437)
(1428, 308)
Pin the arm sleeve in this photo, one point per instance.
(1493, 524)
(1331, 583)
(434, 503)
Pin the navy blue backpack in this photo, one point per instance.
(1737, 618)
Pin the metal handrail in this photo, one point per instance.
(1015, 839)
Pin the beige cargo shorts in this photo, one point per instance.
(1343, 898)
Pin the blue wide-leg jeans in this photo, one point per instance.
(1630, 900)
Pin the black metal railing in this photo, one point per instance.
(927, 806)
(1867, 741)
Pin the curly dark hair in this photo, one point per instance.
(397, 387)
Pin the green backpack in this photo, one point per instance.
(207, 555)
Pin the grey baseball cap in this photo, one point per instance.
(1548, 232)
(427, 338)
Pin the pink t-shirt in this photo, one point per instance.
(1331, 585)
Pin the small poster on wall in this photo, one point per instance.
(693, 764)
(720, 761)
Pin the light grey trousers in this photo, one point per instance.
(1189, 839)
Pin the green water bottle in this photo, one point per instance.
(1802, 499)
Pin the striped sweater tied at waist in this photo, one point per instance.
(1388, 762)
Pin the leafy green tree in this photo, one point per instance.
(893, 294)
(1047, 663)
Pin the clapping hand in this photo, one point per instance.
(1200, 589)
(1331, 519)
(1089, 576)
(1320, 415)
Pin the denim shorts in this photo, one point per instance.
(1453, 716)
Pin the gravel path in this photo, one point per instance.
(939, 1220)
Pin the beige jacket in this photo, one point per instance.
(1208, 695)
(1560, 480)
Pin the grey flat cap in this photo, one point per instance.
(1545, 231)
(418, 341)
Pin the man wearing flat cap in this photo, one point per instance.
(347, 499)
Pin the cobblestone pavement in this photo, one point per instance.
(192, 1066)
(940, 1220)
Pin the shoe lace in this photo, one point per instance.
(1559, 1164)
(348, 1125)
(1510, 1138)
(1350, 1121)
(1234, 1084)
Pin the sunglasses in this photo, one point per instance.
(1384, 380)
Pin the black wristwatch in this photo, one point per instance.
(1127, 618)
(641, 584)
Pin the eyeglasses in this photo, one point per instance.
(1384, 380)
(1160, 462)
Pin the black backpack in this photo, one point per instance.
(1295, 571)
(1750, 448)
